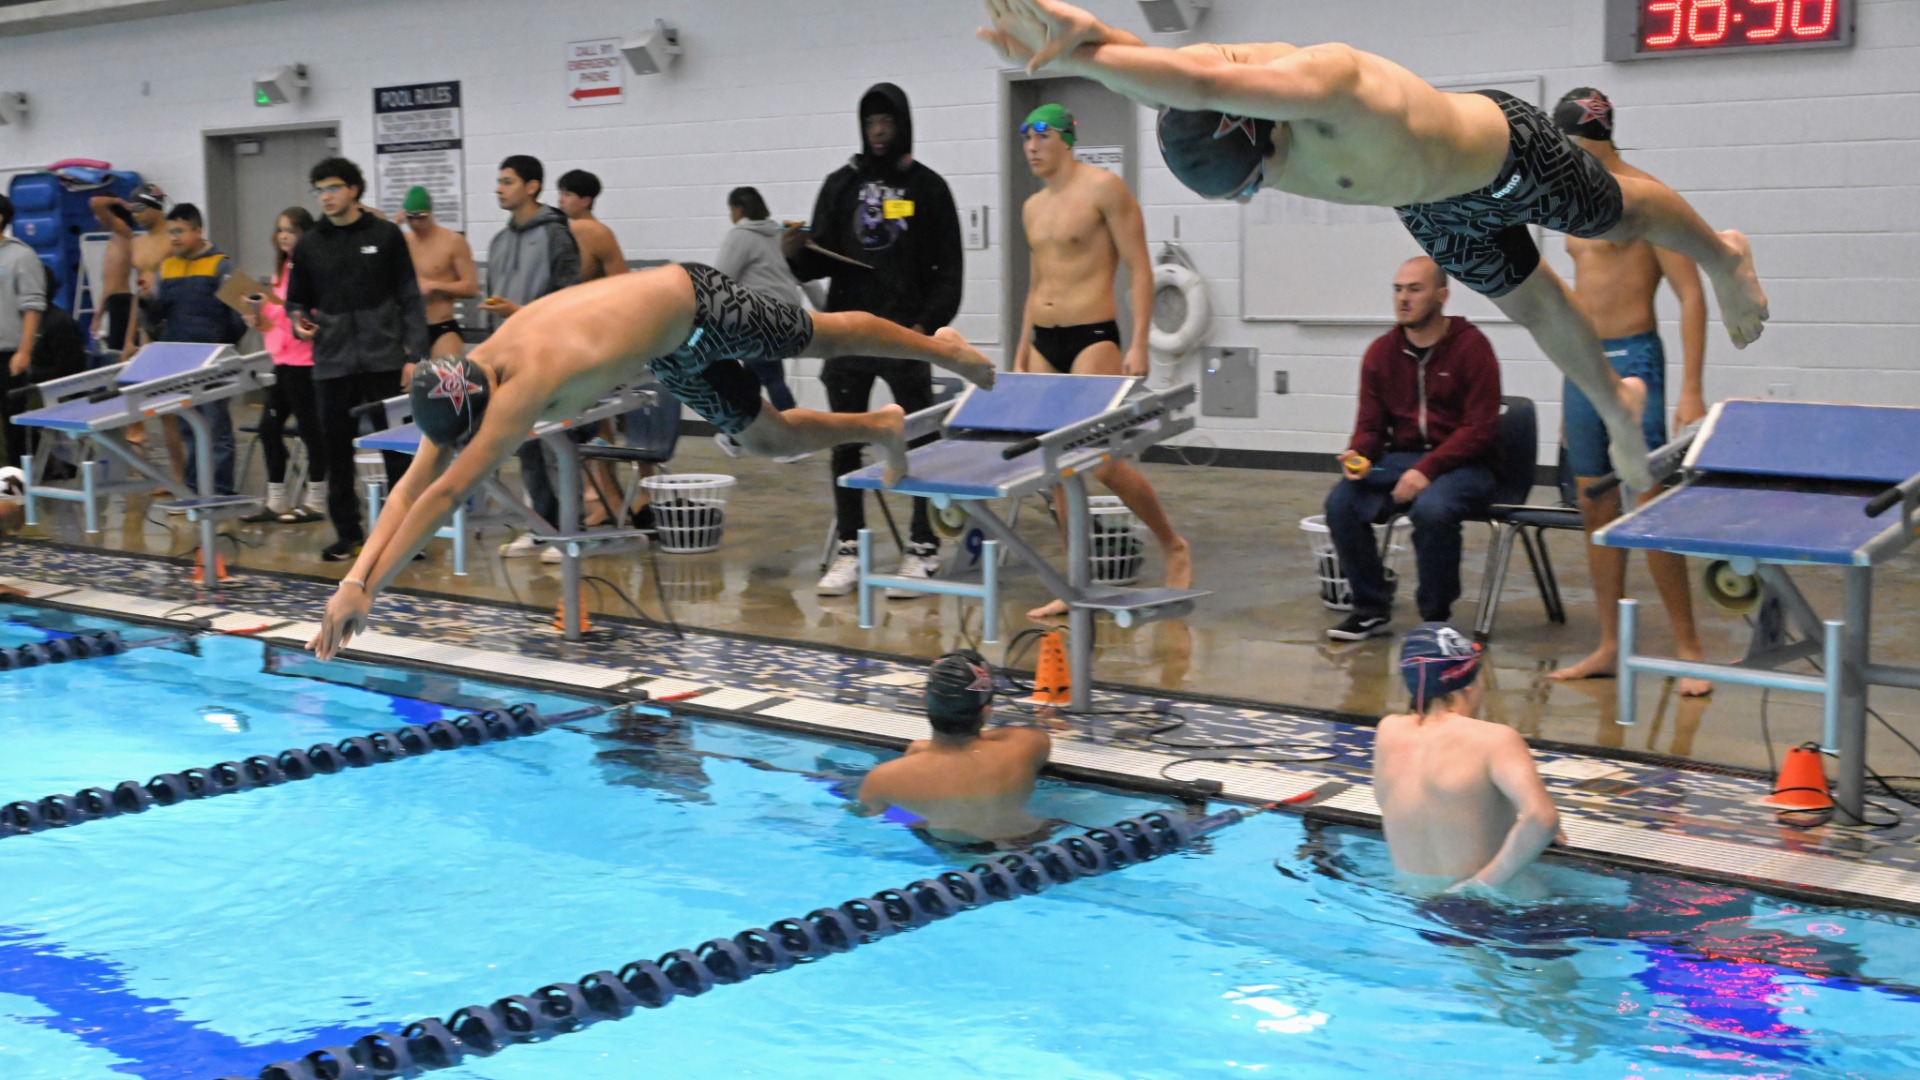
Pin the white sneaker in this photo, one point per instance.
(551, 553)
(843, 573)
(919, 562)
(521, 547)
(726, 443)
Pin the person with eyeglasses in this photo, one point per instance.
(1082, 226)
(1468, 174)
(443, 262)
(353, 293)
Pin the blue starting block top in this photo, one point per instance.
(1866, 443)
(165, 359)
(1036, 404)
(1783, 482)
(1770, 524)
(159, 360)
(399, 439)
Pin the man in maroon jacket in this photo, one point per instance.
(1429, 406)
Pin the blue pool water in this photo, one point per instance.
(219, 936)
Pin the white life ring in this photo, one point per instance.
(1193, 293)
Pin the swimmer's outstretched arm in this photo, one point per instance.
(856, 333)
(421, 502)
(1296, 86)
(1536, 819)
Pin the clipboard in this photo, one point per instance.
(234, 292)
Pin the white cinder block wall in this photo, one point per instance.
(1816, 154)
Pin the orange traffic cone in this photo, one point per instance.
(1803, 781)
(1052, 685)
(560, 619)
(219, 569)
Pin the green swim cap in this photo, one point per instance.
(417, 201)
(1051, 117)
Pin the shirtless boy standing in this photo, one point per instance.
(443, 261)
(1080, 228)
(1614, 286)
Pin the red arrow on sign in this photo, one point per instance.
(598, 91)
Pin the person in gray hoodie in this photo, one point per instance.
(535, 254)
(751, 256)
(23, 296)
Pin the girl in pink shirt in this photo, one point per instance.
(292, 393)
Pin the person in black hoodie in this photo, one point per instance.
(885, 230)
(353, 293)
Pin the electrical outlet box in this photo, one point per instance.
(1229, 381)
(1279, 382)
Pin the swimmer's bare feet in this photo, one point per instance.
(1052, 609)
(1598, 664)
(968, 362)
(1628, 447)
(1743, 303)
(891, 440)
(1179, 555)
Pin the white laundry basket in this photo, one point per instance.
(1114, 540)
(690, 509)
(1335, 592)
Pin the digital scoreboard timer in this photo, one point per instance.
(1647, 29)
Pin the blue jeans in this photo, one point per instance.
(1354, 505)
(773, 379)
(220, 418)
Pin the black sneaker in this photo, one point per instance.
(1358, 627)
(339, 551)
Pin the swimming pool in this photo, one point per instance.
(218, 936)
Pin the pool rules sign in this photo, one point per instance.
(417, 140)
(596, 74)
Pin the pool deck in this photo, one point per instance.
(1639, 810)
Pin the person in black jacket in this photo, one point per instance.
(352, 292)
(885, 230)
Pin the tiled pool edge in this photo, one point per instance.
(1817, 878)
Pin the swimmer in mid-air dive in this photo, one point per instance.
(567, 350)
(966, 786)
(1460, 800)
(1467, 173)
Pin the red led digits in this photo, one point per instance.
(1771, 30)
(1805, 29)
(1706, 24)
(1672, 34)
(1707, 35)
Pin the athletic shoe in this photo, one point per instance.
(551, 554)
(922, 561)
(521, 547)
(1358, 627)
(301, 515)
(339, 551)
(843, 573)
(727, 444)
(262, 516)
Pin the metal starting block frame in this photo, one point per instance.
(401, 436)
(96, 408)
(1029, 434)
(1769, 485)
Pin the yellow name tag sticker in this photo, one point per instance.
(897, 208)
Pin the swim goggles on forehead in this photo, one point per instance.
(1042, 127)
